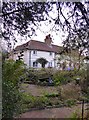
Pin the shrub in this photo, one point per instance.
(70, 102)
(75, 116)
(34, 101)
(38, 76)
(52, 95)
(11, 98)
(62, 77)
(70, 91)
(40, 102)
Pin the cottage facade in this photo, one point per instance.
(32, 50)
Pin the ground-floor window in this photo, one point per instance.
(50, 64)
(35, 64)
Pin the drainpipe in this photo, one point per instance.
(54, 60)
(29, 58)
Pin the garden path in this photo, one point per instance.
(63, 112)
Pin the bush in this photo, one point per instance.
(34, 101)
(39, 76)
(52, 95)
(70, 102)
(11, 98)
(75, 116)
(62, 77)
(70, 91)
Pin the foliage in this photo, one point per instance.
(13, 70)
(24, 15)
(11, 98)
(75, 116)
(38, 76)
(34, 101)
(30, 101)
(70, 102)
(70, 91)
(74, 22)
(87, 115)
(52, 95)
(62, 77)
(42, 61)
(58, 77)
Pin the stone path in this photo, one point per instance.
(64, 112)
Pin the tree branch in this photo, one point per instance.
(10, 12)
(81, 7)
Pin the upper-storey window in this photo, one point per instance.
(50, 53)
(34, 52)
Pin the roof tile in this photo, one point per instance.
(37, 45)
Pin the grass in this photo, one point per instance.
(37, 90)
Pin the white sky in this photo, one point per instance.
(46, 29)
(57, 39)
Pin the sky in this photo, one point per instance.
(45, 28)
(40, 36)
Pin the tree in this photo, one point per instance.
(42, 61)
(74, 22)
(18, 17)
(77, 25)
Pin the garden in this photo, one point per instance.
(30, 89)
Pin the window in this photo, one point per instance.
(50, 53)
(50, 64)
(35, 64)
(34, 52)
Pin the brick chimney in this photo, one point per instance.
(48, 40)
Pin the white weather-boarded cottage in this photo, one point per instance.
(33, 50)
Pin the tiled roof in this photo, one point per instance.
(37, 45)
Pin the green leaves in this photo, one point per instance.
(11, 98)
